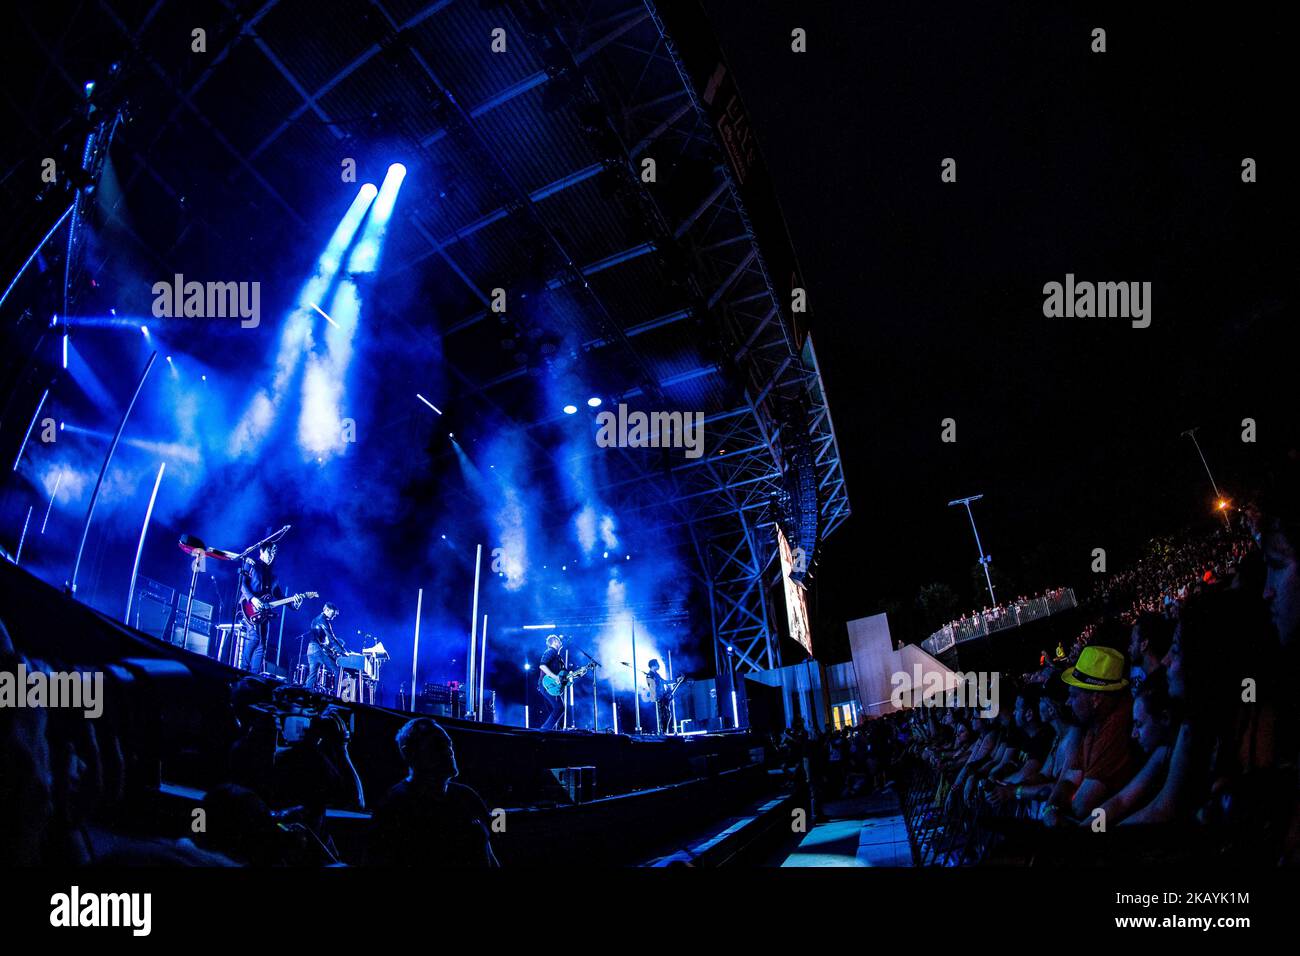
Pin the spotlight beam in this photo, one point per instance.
(35, 415)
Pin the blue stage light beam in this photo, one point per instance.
(320, 423)
(365, 257)
(295, 335)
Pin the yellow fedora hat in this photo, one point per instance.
(1099, 668)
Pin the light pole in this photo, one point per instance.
(984, 558)
(1219, 500)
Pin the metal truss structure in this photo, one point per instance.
(677, 289)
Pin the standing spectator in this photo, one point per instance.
(428, 819)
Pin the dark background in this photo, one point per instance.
(927, 297)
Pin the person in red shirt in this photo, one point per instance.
(1106, 760)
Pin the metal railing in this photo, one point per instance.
(1000, 618)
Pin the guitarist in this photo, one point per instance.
(324, 648)
(661, 692)
(551, 664)
(257, 583)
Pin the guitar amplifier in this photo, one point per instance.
(441, 700)
(197, 641)
(152, 615)
(156, 590)
(200, 611)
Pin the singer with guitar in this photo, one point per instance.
(661, 692)
(551, 665)
(554, 677)
(323, 650)
(258, 591)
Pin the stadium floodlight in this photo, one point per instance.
(985, 559)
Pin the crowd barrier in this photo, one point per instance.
(1003, 618)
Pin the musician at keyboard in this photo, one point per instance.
(323, 650)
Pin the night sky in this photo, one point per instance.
(927, 297)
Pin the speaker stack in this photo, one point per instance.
(155, 604)
(200, 634)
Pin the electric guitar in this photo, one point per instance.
(252, 614)
(333, 647)
(673, 687)
(555, 685)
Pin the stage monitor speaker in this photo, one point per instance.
(151, 614)
(578, 783)
(197, 641)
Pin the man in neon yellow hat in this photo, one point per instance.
(1105, 760)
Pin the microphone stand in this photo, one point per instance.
(595, 705)
(239, 563)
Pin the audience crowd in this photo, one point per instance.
(65, 793)
(1163, 734)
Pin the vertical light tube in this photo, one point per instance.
(139, 548)
(672, 703)
(482, 669)
(415, 656)
(50, 507)
(473, 631)
(18, 555)
(94, 495)
(636, 683)
(30, 425)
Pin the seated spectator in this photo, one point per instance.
(1036, 786)
(1216, 648)
(988, 736)
(1106, 761)
(428, 819)
(1154, 727)
(26, 781)
(1151, 636)
(238, 826)
(1279, 537)
(314, 771)
(1033, 741)
(252, 755)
